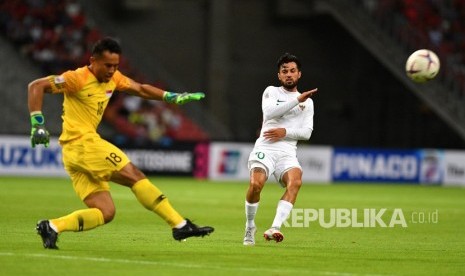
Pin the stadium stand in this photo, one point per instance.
(17, 72)
(56, 36)
(389, 30)
(354, 28)
(437, 25)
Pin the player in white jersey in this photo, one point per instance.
(287, 118)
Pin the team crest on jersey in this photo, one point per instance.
(302, 107)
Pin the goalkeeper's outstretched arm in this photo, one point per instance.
(150, 92)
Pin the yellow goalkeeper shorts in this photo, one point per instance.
(90, 161)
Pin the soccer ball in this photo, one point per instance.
(423, 65)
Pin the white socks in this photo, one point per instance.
(250, 212)
(282, 212)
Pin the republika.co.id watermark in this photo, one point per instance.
(368, 217)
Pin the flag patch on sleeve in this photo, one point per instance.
(59, 80)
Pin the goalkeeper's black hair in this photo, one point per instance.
(106, 44)
(286, 58)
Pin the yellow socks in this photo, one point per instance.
(146, 193)
(79, 220)
(154, 200)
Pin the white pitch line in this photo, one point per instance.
(157, 263)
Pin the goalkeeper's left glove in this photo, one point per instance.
(39, 135)
(183, 98)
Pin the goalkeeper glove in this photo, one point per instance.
(183, 98)
(39, 135)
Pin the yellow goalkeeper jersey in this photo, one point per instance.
(85, 100)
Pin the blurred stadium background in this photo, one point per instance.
(353, 51)
(372, 125)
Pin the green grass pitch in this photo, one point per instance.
(138, 242)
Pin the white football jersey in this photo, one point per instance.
(281, 109)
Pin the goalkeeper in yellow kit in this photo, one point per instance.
(91, 161)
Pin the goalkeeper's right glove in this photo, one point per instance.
(39, 135)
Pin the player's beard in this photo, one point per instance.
(289, 85)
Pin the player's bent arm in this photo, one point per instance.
(299, 133)
(271, 110)
(36, 91)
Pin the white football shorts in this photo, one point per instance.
(276, 163)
